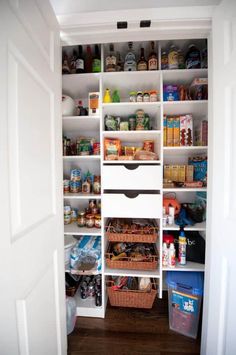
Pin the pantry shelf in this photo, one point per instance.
(196, 227)
(190, 266)
(81, 196)
(81, 123)
(135, 273)
(184, 189)
(154, 162)
(183, 149)
(81, 157)
(73, 229)
(183, 76)
(132, 104)
(79, 85)
(198, 108)
(87, 308)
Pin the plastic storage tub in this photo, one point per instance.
(185, 297)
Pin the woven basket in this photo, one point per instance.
(131, 298)
(132, 238)
(129, 263)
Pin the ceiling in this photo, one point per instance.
(65, 7)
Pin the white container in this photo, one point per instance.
(171, 258)
(68, 106)
(132, 177)
(69, 243)
(142, 206)
(165, 255)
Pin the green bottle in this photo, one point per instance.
(115, 96)
(96, 64)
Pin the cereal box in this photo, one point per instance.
(175, 173)
(167, 172)
(189, 130)
(182, 123)
(181, 173)
(189, 173)
(164, 130)
(169, 132)
(176, 131)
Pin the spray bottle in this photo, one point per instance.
(171, 260)
(182, 248)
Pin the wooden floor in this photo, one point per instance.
(129, 332)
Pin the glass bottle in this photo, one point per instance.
(152, 59)
(65, 64)
(111, 59)
(173, 57)
(193, 58)
(142, 63)
(88, 61)
(164, 61)
(72, 62)
(181, 59)
(130, 59)
(96, 64)
(79, 64)
(120, 63)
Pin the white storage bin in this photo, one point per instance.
(132, 177)
(69, 243)
(141, 206)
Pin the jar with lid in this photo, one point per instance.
(92, 203)
(139, 96)
(67, 218)
(153, 96)
(90, 220)
(81, 221)
(97, 221)
(146, 96)
(133, 96)
(97, 184)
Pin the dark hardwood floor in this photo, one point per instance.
(127, 331)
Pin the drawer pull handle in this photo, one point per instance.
(131, 166)
(131, 194)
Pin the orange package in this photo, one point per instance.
(112, 148)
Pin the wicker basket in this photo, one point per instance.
(128, 262)
(132, 238)
(131, 298)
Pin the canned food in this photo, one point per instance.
(153, 96)
(81, 219)
(73, 215)
(67, 210)
(133, 96)
(90, 220)
(75, 175)
(97, 221)
(148, 145)
(75, 186)
(132, 123)
(67, 218)
(66, 186)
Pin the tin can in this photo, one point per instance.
(139, 96)
(148, 145)
(90, 220)
(67, 210)
(66, 186)
(67, 218)
(75, 175)
(97, 221)
(74, 186)
(81, 221)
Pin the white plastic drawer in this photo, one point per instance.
(141, 206)
(142, 177)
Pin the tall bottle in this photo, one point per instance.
(130, 59)
(182, 248)
(73, 61)
(173, 57)
(165, 255)
(171, 258)
(96, 63)
(65, 64)
(193, 58)
(111, 60)
(152, 59)
(79, 64)
(142, 63)
(88, 60)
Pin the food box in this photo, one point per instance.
(164, 131)
(170, 132)
(170, 93)
(176, 131)
(189, 130)
(182, 122)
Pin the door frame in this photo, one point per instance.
(184, 24)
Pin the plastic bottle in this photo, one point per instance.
(193, 58)
(182, 248)
(165, 255)
(171, 258)
(107, 96)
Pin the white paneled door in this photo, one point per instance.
(218, 335)
(32, 304)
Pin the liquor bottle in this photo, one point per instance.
(152, 59)
(79, 64)
(111, 59)
(130, 59)
(88, 60)
(65, 64)
(72, 62)
(120, 63)
(142, 63)
(96, 63)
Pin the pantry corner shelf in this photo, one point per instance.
(131, 162)
(190, 266)
(185, 148)
(73, 229)
(196, 227)
(87, 308)
(80, 195)
(132, 104)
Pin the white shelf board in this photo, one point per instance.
(197, 108)
(132, 136)
(184, 189)
(131, 162)
(135, 105)
(87, 308)
(190, 266)
(81, 195)
(195, 227)
(73, 229)
(131, 73)
(183, 76)
(135, 273)
(79, 85)
(182, 149)
(81, 157)
(80, 123)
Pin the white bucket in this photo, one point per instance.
(70, 242)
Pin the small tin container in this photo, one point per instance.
(74, 186)
(73, 215)
(67, 210)
(67, 218)
(148, 145)
(97, 222)
(66, 186)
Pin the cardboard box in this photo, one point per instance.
(167, 172)
(170, 132)
(189, 173)
(189, 130)
(182, 122)
(176, 131)
(164, 131)
(175, 173)
(182, 173)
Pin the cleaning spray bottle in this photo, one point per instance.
(182, 248)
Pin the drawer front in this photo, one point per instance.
(143, 177)
(142, 206)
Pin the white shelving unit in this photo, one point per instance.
(78, 86)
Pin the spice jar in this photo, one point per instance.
(86, 187)
(97, 184)
(146, 97)
(81, 219)
(133, 96)
(153, 96)
(98, 221)
(139, 96)
(67, 218)
(90, 221)
(92, 203)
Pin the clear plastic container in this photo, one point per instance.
(185, 291)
